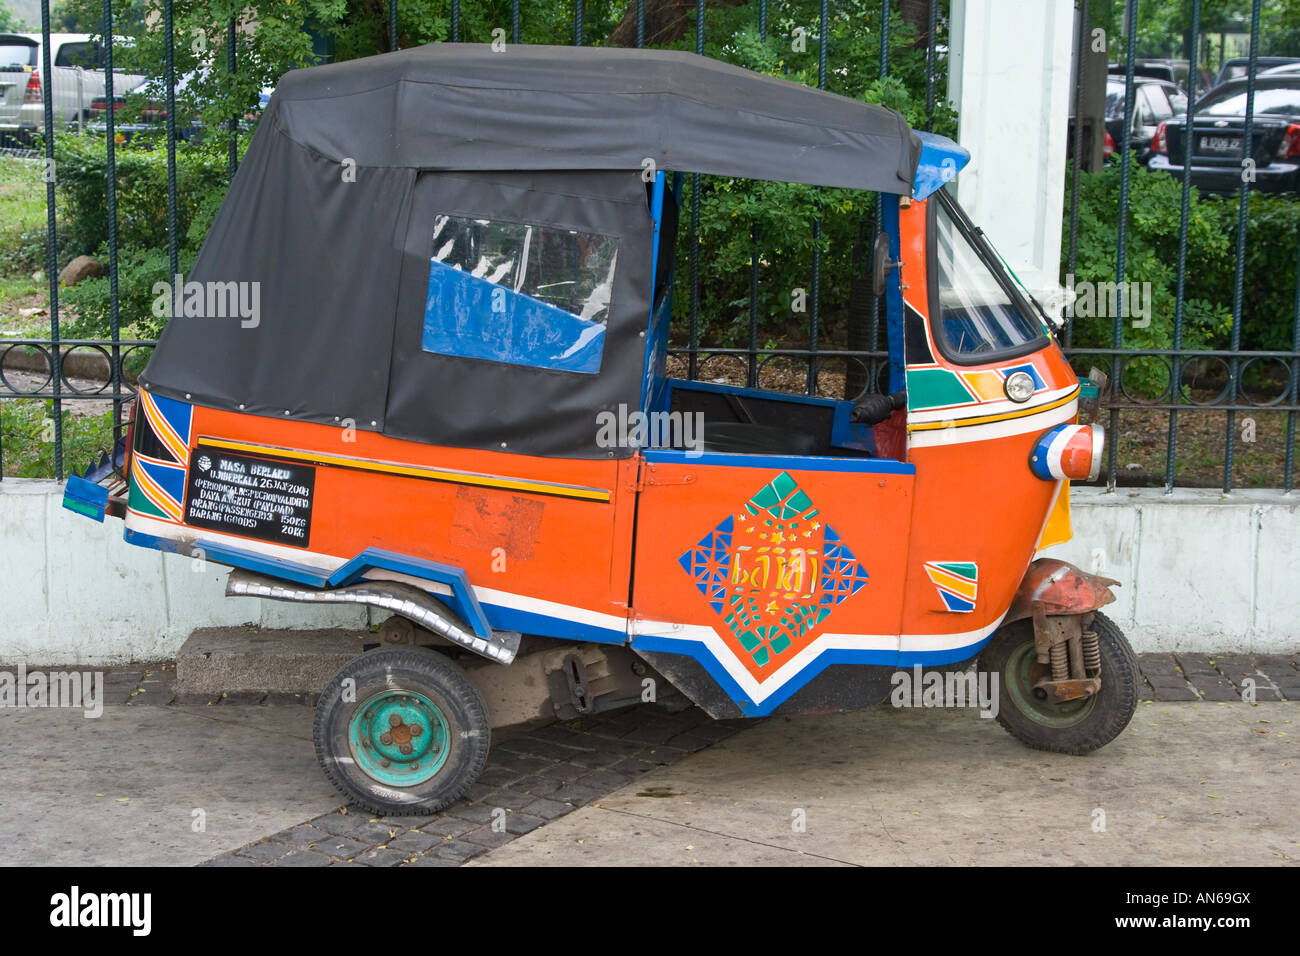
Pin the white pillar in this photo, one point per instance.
(1009, 80)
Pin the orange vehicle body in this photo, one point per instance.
(763, 569)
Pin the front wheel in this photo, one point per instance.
(402, 731)
(1071, 727)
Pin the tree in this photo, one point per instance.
(9, 21)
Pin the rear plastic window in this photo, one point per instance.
(519, 293)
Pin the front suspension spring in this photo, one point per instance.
(1060, 662)
(1091, 653)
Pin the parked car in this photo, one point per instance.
(78, 77)
(1156, 69)
(1176, 71)
(1217, 139)
(1238, 67)
(150, 117)
(151, 94)
(1154, 102)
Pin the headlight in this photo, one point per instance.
(1019, 387)
(1068, 451)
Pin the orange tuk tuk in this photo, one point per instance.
(420, 365)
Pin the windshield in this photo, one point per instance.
(980, 315)
(1284, 100)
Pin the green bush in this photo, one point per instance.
(137, 271)
(1155, 199)
(81, 165)
(1269, 286)
(141, 180)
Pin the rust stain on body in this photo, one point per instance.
(495, 519)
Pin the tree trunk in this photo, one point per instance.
(666, 21)
(917, 13)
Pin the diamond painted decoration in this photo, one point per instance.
(773, 572)
(709, 563)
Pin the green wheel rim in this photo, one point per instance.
(1022, 672)
(399, 738)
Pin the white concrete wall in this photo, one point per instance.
(1199, 571)
(74, 592)
(1009, 80)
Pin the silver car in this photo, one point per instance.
(77, 79)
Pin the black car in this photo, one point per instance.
(1154, 102)
(1217, 137)
(1237, 68)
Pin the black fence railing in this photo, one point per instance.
(1236, 384)
(1155, 394)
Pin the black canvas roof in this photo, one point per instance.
(461, 106)
(338, 253)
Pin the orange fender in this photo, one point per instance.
(1062, 588)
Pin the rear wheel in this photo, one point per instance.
(402, 731)
(1072, 727)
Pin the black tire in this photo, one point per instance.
(1075, 727)
(385, 678)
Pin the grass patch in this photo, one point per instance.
(28, 429)
(22, 242)
(18, 296)
(22, 216)
(22, 193)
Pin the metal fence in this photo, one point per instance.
(1229, 393)
(62, 362)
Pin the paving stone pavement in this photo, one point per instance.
(546, 773)
(1166, 677)
(529, 780)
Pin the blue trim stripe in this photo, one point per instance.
(835, 655)
(531, 622)
(947, 656)
(701, 653)
(544, 625)
(461, 600)
(235, 557)
(867, 466)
